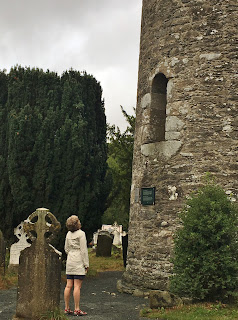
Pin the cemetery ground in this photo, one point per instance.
(102, 301)
(97, 265)
(99, 296)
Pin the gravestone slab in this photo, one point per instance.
(39, 273)
(104, 244)
(117, 238)
(17, 247)
(95, 237)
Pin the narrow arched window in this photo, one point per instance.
(158, 107)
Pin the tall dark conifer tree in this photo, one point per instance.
(52, 146)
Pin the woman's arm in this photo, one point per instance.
(84, 250)
(66, 245)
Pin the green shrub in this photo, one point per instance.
(206, 248)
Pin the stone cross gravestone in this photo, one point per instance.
(17, 247)
(95, 237)
(2, 251)
(116, 238)
(104, 244)
(39, 272)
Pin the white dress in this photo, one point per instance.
(77, 253)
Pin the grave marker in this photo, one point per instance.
(104, 244)
(17, 247)
(39, 273)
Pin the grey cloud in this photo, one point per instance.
(99, 36)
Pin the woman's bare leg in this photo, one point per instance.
(67, 291)
(77, 288)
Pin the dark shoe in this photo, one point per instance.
(78, 313)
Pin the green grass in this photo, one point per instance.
(7, 280)
(101, 264)
(205, 311)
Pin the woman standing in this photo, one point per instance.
(76, 265)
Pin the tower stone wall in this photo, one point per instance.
(186, 123)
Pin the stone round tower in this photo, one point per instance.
(186, 124)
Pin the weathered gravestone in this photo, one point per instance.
(116, 238)
(17, 247)
(2, 251)
(39, 272)
(104, 244)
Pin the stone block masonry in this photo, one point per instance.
(186, 123)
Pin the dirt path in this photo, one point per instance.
(99, 298)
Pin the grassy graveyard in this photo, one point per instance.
(201, 311)
(7, 279)
(102, 264)
(97, 264)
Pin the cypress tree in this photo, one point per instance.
(53, 142)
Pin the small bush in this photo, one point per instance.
(206, 247)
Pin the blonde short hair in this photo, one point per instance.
(73, 223)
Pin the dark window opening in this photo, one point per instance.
(158, 107)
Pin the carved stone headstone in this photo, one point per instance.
(17, 247)
(39, 269)
(2, 251)
(104, 244)
(117, 238)
(95, 237)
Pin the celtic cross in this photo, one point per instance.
(41, 226)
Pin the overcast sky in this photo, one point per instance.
(98, 36)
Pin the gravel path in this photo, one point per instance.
(99, 298)
(7, 303)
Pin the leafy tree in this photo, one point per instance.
(206, 248)
(120, 154)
